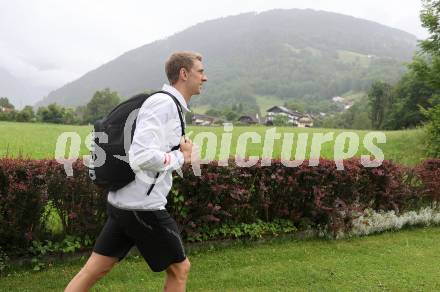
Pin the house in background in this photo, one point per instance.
(5, 109)
(338, 99)
(293, 117)
(202, 120)
(343, 101)
(249, 120)
(305, 122)
(348, 105)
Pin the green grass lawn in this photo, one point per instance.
(35, 140)
(402, 261)
(39, 140)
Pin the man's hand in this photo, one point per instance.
(186, 146)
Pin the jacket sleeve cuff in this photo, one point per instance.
(178, 160)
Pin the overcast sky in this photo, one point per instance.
(51, 42)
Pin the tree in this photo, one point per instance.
(418, 90)
(4, 102)
(70, 117)
(433, 130)
(430, 17)
(280, 120)
(240, 108)
(26, 114)
(189, 117)
(412, 92)
(52, 114)
(56, 114)
(42, 114)
(101, 103)
(79, 114)
(294, 105)
(231, 115)
(379, 100)
(8, 116)
(356, 117)
(214, 112)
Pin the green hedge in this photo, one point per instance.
(221, 203)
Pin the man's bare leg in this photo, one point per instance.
(95, 268)
(177, 275)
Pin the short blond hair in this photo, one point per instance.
(179, 60)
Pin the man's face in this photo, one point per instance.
(196, 77)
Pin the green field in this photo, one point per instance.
(39, 141)
(401, 261)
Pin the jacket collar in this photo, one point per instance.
(177, 94)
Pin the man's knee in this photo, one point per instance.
(180, 270)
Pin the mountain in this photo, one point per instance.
(289, 54)
(18, 91)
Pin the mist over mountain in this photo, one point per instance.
(288, 54)
(18, 91)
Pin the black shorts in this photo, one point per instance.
(154, 233)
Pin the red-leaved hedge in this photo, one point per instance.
(308, 196)
(26, 186)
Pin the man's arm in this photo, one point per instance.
(150, 133)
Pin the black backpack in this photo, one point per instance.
(115, 172)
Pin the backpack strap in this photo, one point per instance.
(182, 125)
(179, 109)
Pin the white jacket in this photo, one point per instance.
(158, 129)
